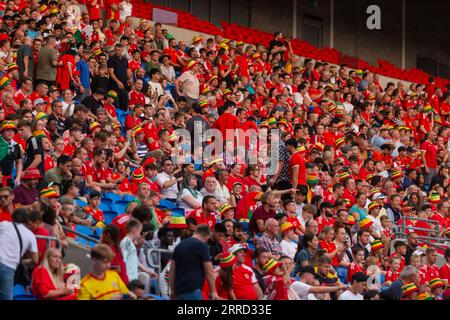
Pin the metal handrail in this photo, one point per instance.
(49, 239)
(157, 267)
(67, 229)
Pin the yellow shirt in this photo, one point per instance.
(92, 288)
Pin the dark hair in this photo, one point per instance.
(113, 233)
(63, 159)
(305, 270)
(206, 199)
(358, 277)
(142, 213)
(135, 284)
(95, 194)
(258, 252)
(220, 228)
(370, 294)
(49, 215)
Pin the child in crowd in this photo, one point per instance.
(92, 209)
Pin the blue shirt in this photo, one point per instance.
(362, 212)
(83, 68)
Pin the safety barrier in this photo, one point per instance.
(154, 261)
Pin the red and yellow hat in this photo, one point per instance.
(436, 283)
(97, 52)
(43, 8)
(196, 39)
(225, 208)
(116, 126)
(203, 103)
(112, 94)
(272, 121)
(8, 125)
(317, 146)
(38, 134)
(434, 198)
(373, 205)
(4, 81)
(409, 288)
(424, 296)
(227, 259)
(374, 191)
(377, 244)
(94, 125)
(48, 193)
(339, 113)
(365, 223)
(191, 64)
(396, 174)
(339, 142)
(344, 176)
(137, 130)
(285, 227)
(312, 179)
(256, 56)
(369, 177)
(271, 266)
(226, 91)
(331, 106)
(351, 220)
(138, 175)
(12, 66)
(427, 108)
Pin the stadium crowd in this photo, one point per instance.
(357, 208)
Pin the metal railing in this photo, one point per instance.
(432, 241)
(49, 239)
(79, 234)
(154, 261)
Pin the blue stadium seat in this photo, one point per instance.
(121, 206)
(112, 196)
(106, 203)
(109, 216)
(251, 245)
(178, 210)
(154, 296)
(81, 203)
(167, 204)
(128, 197)
(18, 290)
(23, 297)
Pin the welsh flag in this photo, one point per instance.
(4, 148)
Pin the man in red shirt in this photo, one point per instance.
(207, 213)
(6, 204)
(245, 284)
(429, 270)
(444, 272)
(227, 120)
(442, 216)
(235, 176)
(96, 173)
(429, 156)
(326, 217)
(297, 165)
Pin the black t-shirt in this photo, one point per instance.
(274, 43)
(92, 104)
(8, 161)
(215, 248)
(189, 257)
(120, 66)
(34, 147)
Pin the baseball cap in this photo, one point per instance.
(39, 101)
(377, 196)
(236, 247)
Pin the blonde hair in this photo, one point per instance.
(58, 276)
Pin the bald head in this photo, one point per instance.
(27, 41)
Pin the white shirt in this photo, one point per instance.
(376, 224)
(299, 210)
(156, 86)
(126, 11)
(166, 193)
(10, 247)
(301, 289)
(348, 295)
(130, 258)
(183, 204)
(289, 248)
(223, 195)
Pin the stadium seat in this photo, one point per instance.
(105, 206)
(23, 297)
(18, 290)
(80, 203)
(109, 216)
(112, 196)
(121, 206)
(129, 197)
(167, 204)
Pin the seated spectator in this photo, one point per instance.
(269, 239)
(62, 170)
(305, 251)
(26, 193)
(47, 279)
(92, 211)
(357, 287)
(102, 283)
(288, 246)
(189, 198)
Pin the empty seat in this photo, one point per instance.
(167, 204)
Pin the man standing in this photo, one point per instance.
(187, 85)
(297, 165)
(10, 253)
(119, 74)
(191, 263)
(34, 154)
(12, 157)
(429, 157)
(47, 63)
(25, 59)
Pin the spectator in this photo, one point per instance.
(102, 283)
(167, 181)
(110, 237)
(357, 287)
(262, 213)
(17, 241)
(305, 251)
(6, 204)
(190, 265)
(269, 241)
(302, 287)
(26, 194)
(48, 281)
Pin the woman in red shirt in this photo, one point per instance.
(333, 249)
(48, 278)
(253, 176)
(111, 237)
(224, 282)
